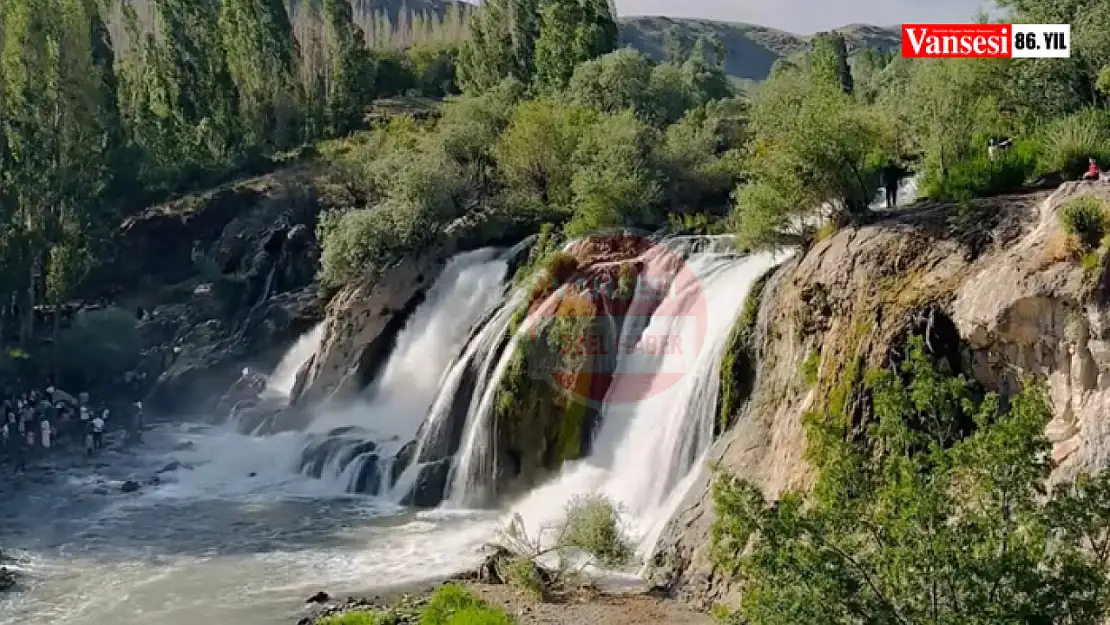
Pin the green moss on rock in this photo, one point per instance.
(737, 369)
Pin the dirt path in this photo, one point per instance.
(591, 609)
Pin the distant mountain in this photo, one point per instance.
(750, 50)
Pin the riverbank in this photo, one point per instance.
(585, 606)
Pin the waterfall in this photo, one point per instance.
(426, 431)
(353, 444)
(284, 376)
(465, 383)
(649, 447)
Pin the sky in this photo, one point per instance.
(809, 16)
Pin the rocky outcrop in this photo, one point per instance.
(236, 267)
(996, 290)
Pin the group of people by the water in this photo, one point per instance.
(38, 423)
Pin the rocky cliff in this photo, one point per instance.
(227, 277)
(995, 287)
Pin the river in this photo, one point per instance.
(209, 544)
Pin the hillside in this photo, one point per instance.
(751, 49)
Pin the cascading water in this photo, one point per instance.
(284, 376)
(465, 383)
(234, 534)
(650, 444)
(356, 444)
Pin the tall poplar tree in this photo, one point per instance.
(571, 32)
(350, 76)
(261, 52)
(502, 44)
(206, 96)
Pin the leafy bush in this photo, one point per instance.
(1070, 141)
(1086, 218)
(590, 532)
(937, 515)
(615, 183)
(98, 348)
(980, 176)
(1103, 83)
(614, 82)
(814, 149)
(535, 153)
(592, 525)
(360, 242)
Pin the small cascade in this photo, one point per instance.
(464, 384)
(280, 383)
(267, 287)
(354, 444)
(472, 473)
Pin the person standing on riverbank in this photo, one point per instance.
(98, 430)
(46, 429)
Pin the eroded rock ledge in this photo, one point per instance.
(991, 290)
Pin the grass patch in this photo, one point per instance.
(810, 367)
(360, 617)
(1070, 141)
(452, 604)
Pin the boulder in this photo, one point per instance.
(320, 597)
(430, 486)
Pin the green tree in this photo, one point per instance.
(571, 32)
(829, 56)
(703, 72)
(261, 53)
(616, 182)
(608, 84)
(350, 78)
(60, 124)
(501, 45)
(814, 149)
(201, 93)
(937, 515)
(535, 153)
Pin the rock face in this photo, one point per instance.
(998, 292)
(237, 267)
(362, 322)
